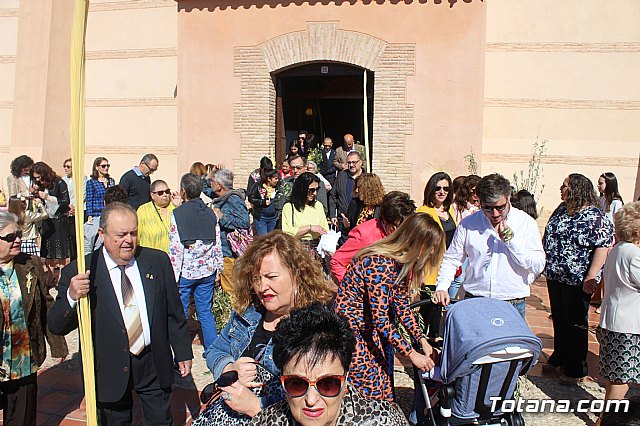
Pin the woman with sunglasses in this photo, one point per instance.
(437, 203)
(95, 188)
(576, 241)
(274, 275)
(375, 293)
(24, 299)
(154, 217)
(313, 348)
(303, 216)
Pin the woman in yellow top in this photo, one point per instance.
(154, 217)
(303, 216)
(437, 202)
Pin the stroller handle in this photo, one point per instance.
(427, 302)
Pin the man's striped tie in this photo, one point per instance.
(132, 320)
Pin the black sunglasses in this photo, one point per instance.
(312, 190)
(443, 188)
(490, 209)
(212, 391)
(164, 191)
(297, 386)
(105, 166)
(11, 237)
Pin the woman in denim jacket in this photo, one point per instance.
(274, 275)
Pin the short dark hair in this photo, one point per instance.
(300, 190)
(155, 184)
(492, 187)
(115, 193)
(315, 333)
(116, 206)
(396, 205)
(192, 185)
(19, 163)
(295, 157)
(147, 158)
(430, 189)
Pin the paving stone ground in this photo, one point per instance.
(60, 395)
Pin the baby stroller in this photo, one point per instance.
(487, 345)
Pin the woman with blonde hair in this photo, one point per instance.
(273, 276)
(376, 292)
(619, 331)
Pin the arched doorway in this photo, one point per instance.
(323, 98)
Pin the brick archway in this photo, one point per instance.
(254, 115)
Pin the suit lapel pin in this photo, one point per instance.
(29, 278)
(149, 276)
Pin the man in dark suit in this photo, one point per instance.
(327, 169)
(137, 320)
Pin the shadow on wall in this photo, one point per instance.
(211, 5)
(636, 193)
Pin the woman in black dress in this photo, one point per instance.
(56, 245)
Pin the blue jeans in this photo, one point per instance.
(202, 289)
(264, 225)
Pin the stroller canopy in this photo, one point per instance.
(478, 327)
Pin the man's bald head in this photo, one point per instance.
(348, 140)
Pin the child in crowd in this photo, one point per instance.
(29, 214)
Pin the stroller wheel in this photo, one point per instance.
(515, 419)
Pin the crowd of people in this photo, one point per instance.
(298, 320)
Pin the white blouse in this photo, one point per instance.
(620, 311)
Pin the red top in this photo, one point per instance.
(360, 237)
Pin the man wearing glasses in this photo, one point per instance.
(342, 192)
(137, 183)
(502, 244)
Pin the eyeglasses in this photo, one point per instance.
(490, 209)
(328, 146)
(151, 170)
(353, 162)
(297, 167)
(442, 188)
(67, 166)
(164, 191)
(297, 386)
(11, 237)
(312, 190)
(105, 166)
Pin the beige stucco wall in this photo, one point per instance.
(565, 72)
(443, 91)
(130, 83)
(163, 77)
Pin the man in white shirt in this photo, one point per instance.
(503, 246)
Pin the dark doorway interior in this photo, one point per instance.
(324, 98)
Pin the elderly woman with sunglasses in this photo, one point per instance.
(24, 299)
(154, 217)
(274, 275)
(313, 350)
